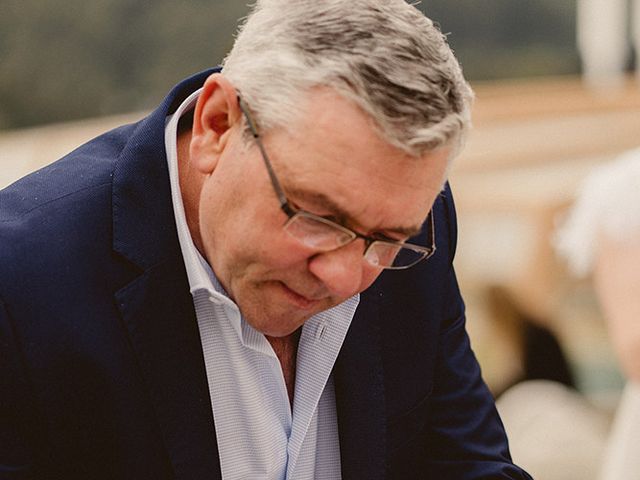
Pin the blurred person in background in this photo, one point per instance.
(602, 236)
(556, 432)
(245, 284)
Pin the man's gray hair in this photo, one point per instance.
(384, 55)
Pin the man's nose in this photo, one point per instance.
(340, 270)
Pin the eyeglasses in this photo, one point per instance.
(325, 235)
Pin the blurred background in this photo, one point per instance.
(557, 93)
(79, 59)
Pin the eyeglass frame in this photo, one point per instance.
(292, 212)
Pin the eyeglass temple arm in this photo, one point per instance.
(284, 203)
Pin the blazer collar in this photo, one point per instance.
(144, 229)
(157, 307)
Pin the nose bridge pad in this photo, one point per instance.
(345, 240)
(360, 248)
(346, 247)
(369, 253)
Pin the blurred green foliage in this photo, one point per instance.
(509, 38)
(82, 58)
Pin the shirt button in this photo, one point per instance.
(320, 331)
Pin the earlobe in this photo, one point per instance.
(215, 115)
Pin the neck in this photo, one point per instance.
(286, 349)
(190, 187)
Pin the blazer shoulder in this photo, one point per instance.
(87, 166)
(58, 212)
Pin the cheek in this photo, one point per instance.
(243, 228)
(259, 241)
(224, 228)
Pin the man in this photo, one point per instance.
(228, 289)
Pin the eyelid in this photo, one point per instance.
(332, 217)
(343, 222)
(386, 238)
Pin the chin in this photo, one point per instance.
(276, 328)
(273, 311)
(275, 324)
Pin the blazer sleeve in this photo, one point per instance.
(465, 436)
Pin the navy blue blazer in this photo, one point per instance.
(101, 367)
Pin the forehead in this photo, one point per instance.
(342, 214)
(334, 157)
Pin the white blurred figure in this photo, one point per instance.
(554, 431)
(602, 236)
(602, 40)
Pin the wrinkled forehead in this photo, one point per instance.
(352, 175)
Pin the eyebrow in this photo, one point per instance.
(342, 216)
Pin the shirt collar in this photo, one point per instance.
(199, 272)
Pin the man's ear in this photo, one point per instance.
(216, 112)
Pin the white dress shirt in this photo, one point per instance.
(258, 434)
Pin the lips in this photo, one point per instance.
(301, 301)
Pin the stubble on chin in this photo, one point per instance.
(272, 317)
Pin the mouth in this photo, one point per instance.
(299, 300)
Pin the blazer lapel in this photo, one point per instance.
(360, 398)
(158, 311)
(157, 307)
